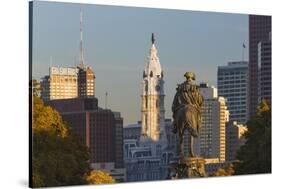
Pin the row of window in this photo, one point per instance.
(266, 59)
(222, 92)
(220, 73)
(234, 94)
(230, 99)
(266, 88)
(266, 53)
(237, 111)
(63, 88)
(232, 81)
(240, 115)
(231, 78)
(233, 108)
(238, 104)
(221, 86)
(61, 96)
(58, 80)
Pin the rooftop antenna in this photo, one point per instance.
(75, 61)
(81, 40)
(106, 95)
(51, 61)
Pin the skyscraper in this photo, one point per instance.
(86, 82)
(64, 83)
(211, 143)
(259, 30)
(264, 65)
(233, 85)
(61, 83)
(118, 122)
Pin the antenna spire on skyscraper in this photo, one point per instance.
(81, 40)
(106, 96)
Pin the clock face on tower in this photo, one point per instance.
(157, 88)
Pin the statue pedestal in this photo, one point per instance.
(192, 167)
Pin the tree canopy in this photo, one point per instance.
(58, 156)
(226, 171)
(255, 156)
(99, 177)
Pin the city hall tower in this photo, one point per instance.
(152, 99)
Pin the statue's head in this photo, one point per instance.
(190, 77)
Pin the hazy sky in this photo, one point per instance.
(117, 42)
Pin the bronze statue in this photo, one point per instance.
(187, 112)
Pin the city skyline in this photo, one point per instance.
(118, 56)
(131, 94)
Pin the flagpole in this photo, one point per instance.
(243, 49)
(243, 53)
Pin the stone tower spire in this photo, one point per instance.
(152, 110)
(152, 38)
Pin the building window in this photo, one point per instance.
(157, 103)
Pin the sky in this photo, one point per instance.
(117, 42)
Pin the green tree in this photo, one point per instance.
(255, 155)
(99, 177)
(58, 156)
(226, 171)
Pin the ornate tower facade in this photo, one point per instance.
(152, 98)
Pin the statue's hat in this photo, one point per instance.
(189, 75)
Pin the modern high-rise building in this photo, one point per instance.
(234, 139)
(259, 31)
(232, 82)
(264, 65)
(68, 82)
(65, 83)
(211, 142)
(86, 82)
(61, 83)
(118, 122)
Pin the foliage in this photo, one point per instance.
(99, 177)
(58, 156)
(226, 171)
(46, 120)
(255, 155)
